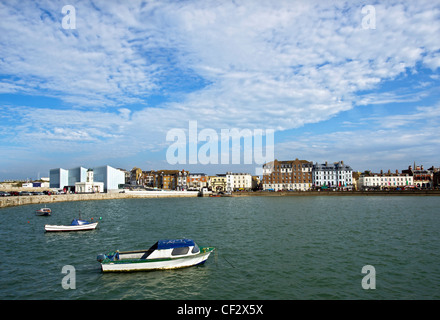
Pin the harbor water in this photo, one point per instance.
(268, 248)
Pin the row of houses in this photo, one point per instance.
(290, 175)
(185, 180)
(303, 175)
(413, 177)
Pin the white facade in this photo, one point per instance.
(238, 181)
(335, 175)
(385, 180)
(89, 186)
(182, 180)
(111, 177)
(58, 178)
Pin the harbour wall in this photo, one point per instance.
(48, 199)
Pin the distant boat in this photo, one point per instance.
(164, 254)
(43, 212)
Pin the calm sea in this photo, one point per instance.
(283, 248)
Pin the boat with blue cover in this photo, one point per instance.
(164, 254)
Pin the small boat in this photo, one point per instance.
(43, 212)
(76, 225)
(164, 254)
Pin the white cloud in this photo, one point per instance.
(265, 64)
(387, 142)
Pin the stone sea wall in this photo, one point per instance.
(46, 199)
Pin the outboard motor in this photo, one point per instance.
(101, 257)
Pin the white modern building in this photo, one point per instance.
(67, 178)
(238, 181)
(334, 176)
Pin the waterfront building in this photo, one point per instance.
(422, 178)
(111, 177)
(336, 175)
(287, 175)
(389, 180)
(217, 183)
(197, 181)
(182, 180)
(238, 181)
(89, 186)
(436, 176)
(66, 179)
(148, 179)
(135, 176)
(58, 178)
(256, 183)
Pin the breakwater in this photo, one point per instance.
(47, 199)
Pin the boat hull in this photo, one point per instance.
(59, 228)
(155, 264)
(42, 212)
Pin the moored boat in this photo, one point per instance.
(164, 254)
(43, 212)
(76, 225)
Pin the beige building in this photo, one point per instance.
(217, 183)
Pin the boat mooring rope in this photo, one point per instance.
(216, 258)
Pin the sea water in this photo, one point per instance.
(280, 248)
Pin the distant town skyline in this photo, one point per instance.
(104, 82)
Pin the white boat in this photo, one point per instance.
(164, 254)
(76, 225)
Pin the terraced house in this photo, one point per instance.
(335, 175)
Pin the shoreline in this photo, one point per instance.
(337, 193)
(14, 201)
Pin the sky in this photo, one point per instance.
(112, 82)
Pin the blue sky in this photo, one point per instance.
(108, 91)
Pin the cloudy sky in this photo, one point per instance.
(356, 81)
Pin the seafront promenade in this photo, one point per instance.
(47, 199)
(339, 193)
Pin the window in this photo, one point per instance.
(195, 249)
(180, 251)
